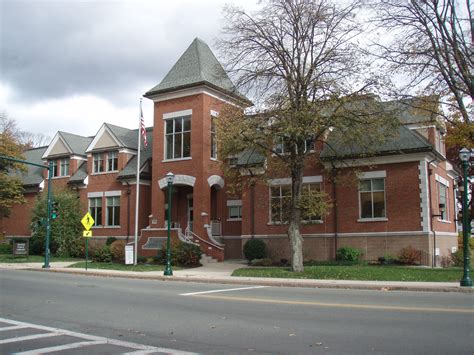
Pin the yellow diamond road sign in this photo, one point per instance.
(87, 221)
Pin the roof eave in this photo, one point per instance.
(241, 99)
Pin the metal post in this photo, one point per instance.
(466, 228)
(48, 218)
(168, 271)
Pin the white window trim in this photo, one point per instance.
(113, 193)
(164, 136)
(373, 175)
(445, 183)
(95, 194)
(442, 180)
(170, 115)
(374, 219)
(234, 203)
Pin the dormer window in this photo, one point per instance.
(105, 162)
(98, 163)
(61, 167)
(112, 161)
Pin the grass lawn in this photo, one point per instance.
(8, 258)
(120, 267)
(357, 272)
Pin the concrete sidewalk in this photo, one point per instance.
(221, 273)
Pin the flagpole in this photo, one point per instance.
(137, 199)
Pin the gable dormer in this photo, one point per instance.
(67, 152)
(111, 149)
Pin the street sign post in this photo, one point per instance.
(87, 221)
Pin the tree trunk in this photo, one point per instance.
(296, 243)
(294, 235)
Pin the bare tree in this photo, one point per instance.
(431, 43)
(300, 61)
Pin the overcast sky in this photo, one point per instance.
(70, 65)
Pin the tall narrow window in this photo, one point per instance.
(55, 168)
(113, 211)
(443, 201)
(178, 138)
(112, 161)
(95, 209)
(213, 138)
(308, 190)
(98, 159)
(372, 198)
(64, 167)
(280, 198)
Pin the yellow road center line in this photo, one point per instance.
(339, 305)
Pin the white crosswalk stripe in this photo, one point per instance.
(88, 340)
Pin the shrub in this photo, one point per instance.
(255, 249)
(5, 248)
(262, 262)
(457, 258)
(409, 256)
(110, 240)
(188, 254)
(348, 254)
(117, 250)
(102, 254)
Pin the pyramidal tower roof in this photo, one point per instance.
(197, 66)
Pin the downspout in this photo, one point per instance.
(430, 172)
(252, 204)
(334, 198)
(128, 211)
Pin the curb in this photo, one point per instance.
(266, 282)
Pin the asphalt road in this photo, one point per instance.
(229, 319)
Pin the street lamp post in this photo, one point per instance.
(168, 271)
(48, 213)
(464, 155)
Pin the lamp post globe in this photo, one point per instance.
(168, 271)
(464, 155)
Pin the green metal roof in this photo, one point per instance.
(197, 66)
(34, 174)
(127, 137)
(76, 143)
(80, 174)
(404, 141)
(130, 169)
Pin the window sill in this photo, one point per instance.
(178, 159)
(277, 223)
(372, 219)
(234, 219)
(105, 172)
(97, 227)
(320, 221)
(112, 227)
(60, 177)
(444, 221)
(213, 159)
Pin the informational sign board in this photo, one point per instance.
(128, 254)
(20, 248)
(87, 234)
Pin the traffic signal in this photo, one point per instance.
(54, 210)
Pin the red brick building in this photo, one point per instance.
(404, 195)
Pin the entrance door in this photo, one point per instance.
(190, 213)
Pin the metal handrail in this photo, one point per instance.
(194, 235)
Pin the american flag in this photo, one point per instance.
(142, 127)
